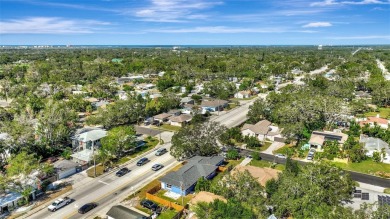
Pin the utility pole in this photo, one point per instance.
(94, 160)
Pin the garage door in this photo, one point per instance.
(66, 173)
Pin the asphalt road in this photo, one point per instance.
(104, 189)
(360, 177)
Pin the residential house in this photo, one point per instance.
(161, 118)
(375, 145)
(9, 201)
(65, 168)
(371, 121)
(180, 120)
(122, 95)
(145, 86)
(121, 212)
(100, 104)
(318, 138)
(186, 100)
(188, 109)
(174, 112)
(85, 142)
(183, 181)
(361, 95)
(124, 80)
(263, 130)
(213, 105)
(5, 103)
(243, 94)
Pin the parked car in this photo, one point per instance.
(149, 205)
(311, 153)
(157, 167)
(59, 203)
(161, 151)
(142, 161)
(122, 172)
(281, 156)
(87, 207)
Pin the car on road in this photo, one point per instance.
(122, 172)
(281, 156)
(161, 151)
(142, 161)
(59, 203)
(150, 205)
(87, 207)
(157, 167)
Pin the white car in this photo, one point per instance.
(281, 156)
(59, 203)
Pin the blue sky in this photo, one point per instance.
(194, 22)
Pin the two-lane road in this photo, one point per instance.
(106, 188)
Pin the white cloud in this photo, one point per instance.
(49, 25)
(360, 2)
(225, 29)
(174, 10)
(317, 24)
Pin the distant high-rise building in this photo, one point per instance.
(319, 47)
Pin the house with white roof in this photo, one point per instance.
(85, 142)
(372, 145)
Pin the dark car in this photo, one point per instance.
(87, 207)
(142, 161)
(149, 205)
(122, 171)
(157, 167)
(161, 151)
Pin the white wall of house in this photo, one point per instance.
(179, 124)
(248, 132)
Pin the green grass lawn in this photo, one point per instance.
(263, 163)
(185, 200)
(387, 191)
(383, 113)
(367, 166)
(150, 144)
(99, 171)
(167, 214)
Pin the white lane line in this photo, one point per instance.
(104, 182)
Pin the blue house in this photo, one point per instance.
(183, 181)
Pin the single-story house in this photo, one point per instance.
(183, 181)
(174, 112)
(263, 130)
(8, 201)
(188, 109)
(213, 105)
(85, 141)
(99, 104)
(122, 95)
(375, 145)
(121, 212)
(124, 80)
(186, 100)
(146, 131)
(363, 95)
(261, 174)
(163, 117)
(318, 138)
(243, 94)
(65, 168)
(180, 120)
(371, 121)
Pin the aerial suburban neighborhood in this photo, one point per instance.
(140, 142)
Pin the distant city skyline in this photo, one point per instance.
(194, 22)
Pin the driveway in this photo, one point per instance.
(274, 146)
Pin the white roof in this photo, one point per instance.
(92, 135)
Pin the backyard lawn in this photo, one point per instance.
(383, 113)
(367, 166)
(167, 127)
(167, 214)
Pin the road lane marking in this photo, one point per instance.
(123, 185)
(103, 182)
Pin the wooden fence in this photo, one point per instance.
(164, 202)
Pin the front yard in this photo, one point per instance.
(367, 166)
(263, 163)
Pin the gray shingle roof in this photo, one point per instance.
(189, 174)
(121, 212)
(261, 127)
